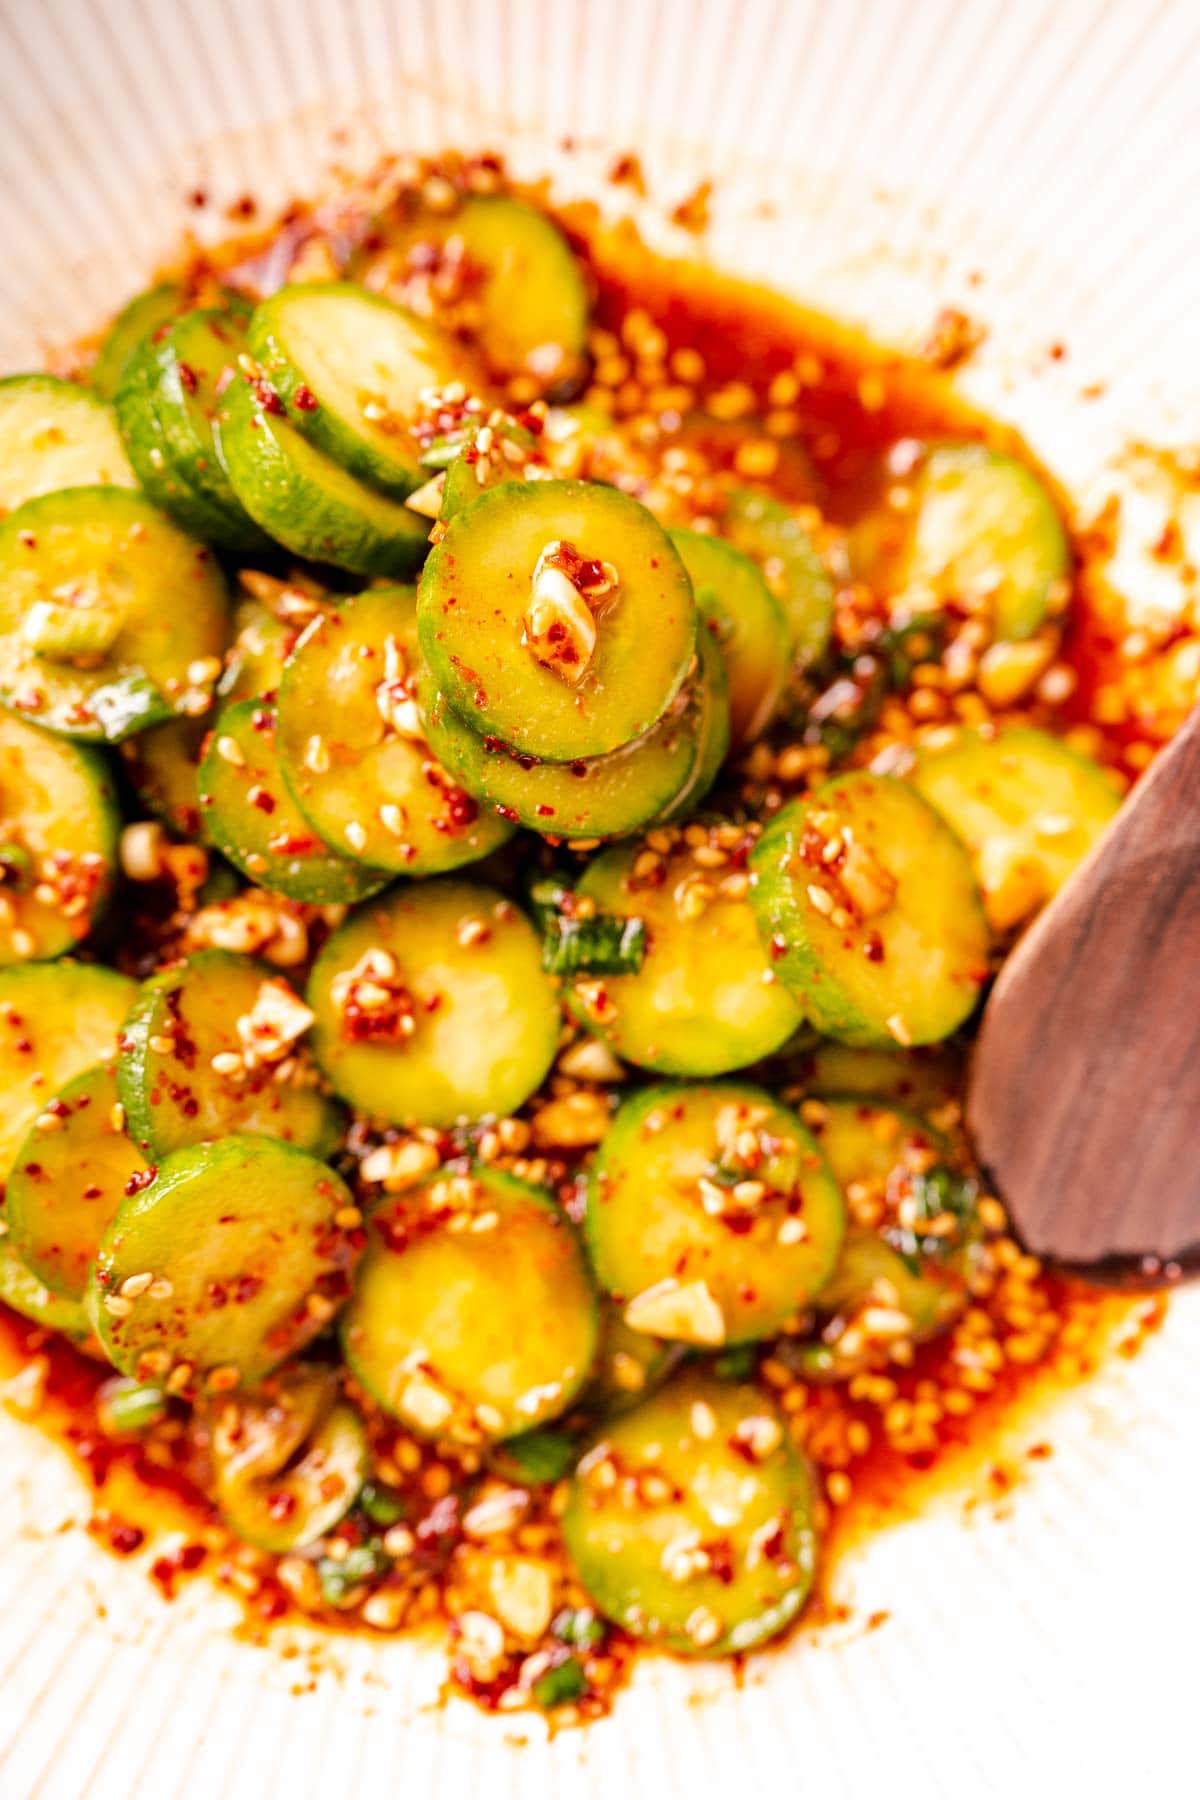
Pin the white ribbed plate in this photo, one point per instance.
(1037, 161)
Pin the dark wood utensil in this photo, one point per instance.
(1084, 1096)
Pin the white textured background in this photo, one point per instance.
(870, 156)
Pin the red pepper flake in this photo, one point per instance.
(140, 1179)
(267, 396)
(304, 400)
(188, 379)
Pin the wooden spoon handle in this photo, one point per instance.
(1084, 1100)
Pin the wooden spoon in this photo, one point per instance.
(1084, 1096)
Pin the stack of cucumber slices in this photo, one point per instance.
(355, 629)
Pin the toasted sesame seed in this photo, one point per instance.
(230, 751)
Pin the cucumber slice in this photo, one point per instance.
(876, 1295)
(712, 726)
(438, 1328)
(469, 1023)
(885, 937)
(309, 503)
(478, 586)
(290, 1459)
(162, 764)
(351, 368)
(1028, 808)
(470, 472)
(711, 1216)
(705, 999)
(598, 796)
(919, 1079)
(66, 1185)
(189, 370)
(56, 1020)
(261, 645)
(526, 284)
(628, 1366)
(690, 1519)
(247, 1259)
(105, 552)
(21, 1290)
(163, 477)
(770, 533)
(352, 749)
(214, 1006)
(252, 819)
(983, 526)
(58, 841)
(137, 321)
(56, 435)
(754, 636)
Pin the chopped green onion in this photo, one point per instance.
(128, 704)
(565, 1681)
(542, 1455)
(339, 1580)
(601, 945)
(442, 452)
(737, 1364)
(126, 1407)
(382, 1505)
(935, 1191)
(580, 1626)
(60, 632)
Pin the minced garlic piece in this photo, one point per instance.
(560, 627)
(687, 1310)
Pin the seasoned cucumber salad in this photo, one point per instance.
(518, 768)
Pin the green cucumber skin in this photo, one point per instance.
(319, 877)
(764, 529)
(137, 321)
(133, 1077)
(290, 506)
(494, 777)
(156, 468)
(718, 572)
(190, 438)
(712, 729)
